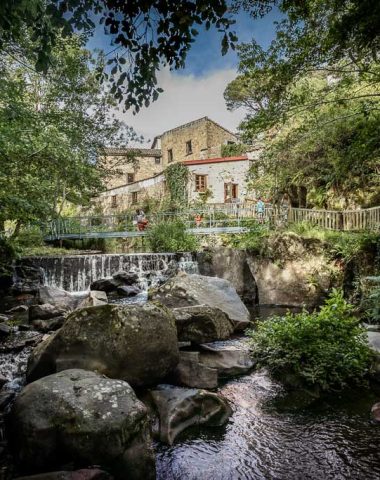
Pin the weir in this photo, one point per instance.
(75, 273)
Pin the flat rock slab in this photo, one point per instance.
(229, 358)
(185, 290)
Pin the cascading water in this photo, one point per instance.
(75, 273)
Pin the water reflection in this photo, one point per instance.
(268, 439)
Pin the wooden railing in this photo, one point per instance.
(346, 220)
(226, 216)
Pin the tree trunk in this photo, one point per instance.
(302, 196)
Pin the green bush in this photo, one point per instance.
(325, 349)
(371, 302)
(171, 236)
(31, 236)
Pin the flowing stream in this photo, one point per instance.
(270, 436)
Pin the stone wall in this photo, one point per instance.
(216, 137)
(206, 139)
(302, 278)
(122, 198)
(176, 141)
(141, 166)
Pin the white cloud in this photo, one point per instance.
(185, 98)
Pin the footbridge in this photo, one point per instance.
(223, 219)
(233, 220)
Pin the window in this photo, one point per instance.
(157, 160)
(231, 191)
(114, 201)
(170, 155)
(134, 198)
(189, 148)
(130, 177)
(200, 183)
(230, 142)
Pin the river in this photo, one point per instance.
(271, 435)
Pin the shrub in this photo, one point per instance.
(325, 349)
(171, 236)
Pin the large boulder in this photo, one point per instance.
(201, 324)
(230, 264)
(81, 417)
(58, 298)
(119, 279)
(179, 408)
(185, 290)
(46, 311)
(136, 343)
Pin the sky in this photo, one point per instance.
(197, 90)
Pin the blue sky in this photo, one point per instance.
(197, 90)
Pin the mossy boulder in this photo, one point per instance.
(135, 343)
(80, 417)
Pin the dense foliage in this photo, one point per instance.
(316, 93)
(232, 149)
(326, 349)
(52, 129)
(146, 34)
(171, 236)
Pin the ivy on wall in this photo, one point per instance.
(177, 176)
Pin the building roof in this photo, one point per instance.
(138, 152)
(188, 124)
(215, 160)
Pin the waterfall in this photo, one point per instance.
(75, 273)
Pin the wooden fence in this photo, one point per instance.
(346, 220)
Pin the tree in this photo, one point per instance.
(328, 155)
(53, 128)
(146, 35)
(340, 37)
(315, 92)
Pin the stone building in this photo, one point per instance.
(139, 173)
(202, 138)
(222, 180)
(131, 165)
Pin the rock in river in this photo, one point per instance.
(185, 290)
(136, 343)
(202, 324)
(81, 417)
(179, 408)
